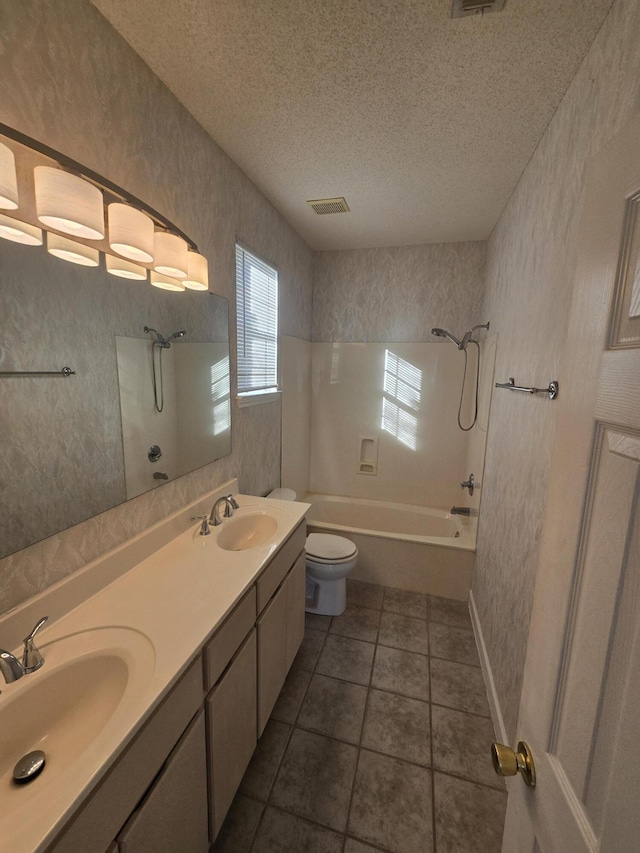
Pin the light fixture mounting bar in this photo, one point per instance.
(99, 181)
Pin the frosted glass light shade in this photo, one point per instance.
(69, 250)
(197, 272)
(19, 232)
(8, 180)
(68, 203)
(124, 268)
(158, 279)
(131, 233)
(170, 256)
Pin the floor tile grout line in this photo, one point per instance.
(267, 801)
(359, 747)
(433, 775)
(484, 785)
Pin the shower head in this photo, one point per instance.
(442, 333)
(160, 340)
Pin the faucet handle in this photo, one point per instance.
(204, 527)
(31, 658)
(469, 484)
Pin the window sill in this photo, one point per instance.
(256, 398)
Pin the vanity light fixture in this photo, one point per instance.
(19, 232)
(8, 179)
(197, 272)
(170, 255)
(131, 233)
(69, 250)
(68, 203)
(124, 268)
(165, 282)
(70, 199)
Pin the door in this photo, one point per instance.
(580, 704)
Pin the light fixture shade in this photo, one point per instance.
(69, 250)
(131, 233)
(170, 257)
(19, 232)
(158, 279)
(68, 203)
(8, 179)
(197, 272)
(124, 268)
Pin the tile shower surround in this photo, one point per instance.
(379, 740)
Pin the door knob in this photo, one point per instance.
(506, 762)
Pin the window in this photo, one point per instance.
(257, 318)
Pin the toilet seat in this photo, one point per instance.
(329, 549)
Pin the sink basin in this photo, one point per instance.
(243, 532)
(67, 707)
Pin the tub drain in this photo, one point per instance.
(29, 766)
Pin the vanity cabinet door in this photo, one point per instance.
(272, 654)
(174, 814)
(295, 608)
(231, 729)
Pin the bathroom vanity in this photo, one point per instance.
(155, 688)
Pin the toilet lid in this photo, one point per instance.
(326, 546)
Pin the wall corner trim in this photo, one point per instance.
(487, 673)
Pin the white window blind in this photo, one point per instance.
(257, 317)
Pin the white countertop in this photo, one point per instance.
(175, 598)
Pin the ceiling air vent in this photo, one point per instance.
(323, 206)
(463, 8)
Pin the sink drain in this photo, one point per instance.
(29, 766)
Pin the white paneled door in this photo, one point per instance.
(580, 705)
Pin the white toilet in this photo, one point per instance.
(329, 560)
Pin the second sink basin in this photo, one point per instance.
(247, 531)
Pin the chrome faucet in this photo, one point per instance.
(10, 666)
(230, 503)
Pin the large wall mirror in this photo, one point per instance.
(63, 458)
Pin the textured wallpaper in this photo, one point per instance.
(398, 294)
(68, 79)
(529, 267)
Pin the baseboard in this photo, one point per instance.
(489, 683)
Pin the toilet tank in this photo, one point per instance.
(282, 495)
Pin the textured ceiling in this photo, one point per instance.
(423, 123)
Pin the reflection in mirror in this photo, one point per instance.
(175, 407)
(62, 458)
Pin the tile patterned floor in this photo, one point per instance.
(379, 740)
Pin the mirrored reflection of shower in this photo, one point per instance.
(462, 344)
(160, 343)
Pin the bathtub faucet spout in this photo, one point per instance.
(460, 510)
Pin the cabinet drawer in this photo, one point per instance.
(272, 576)
(228, 638)
(98, 822)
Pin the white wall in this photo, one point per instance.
(530, 266)
(421, 453)
(69, 80)
(295, 381)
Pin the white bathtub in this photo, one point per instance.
(410, 547)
